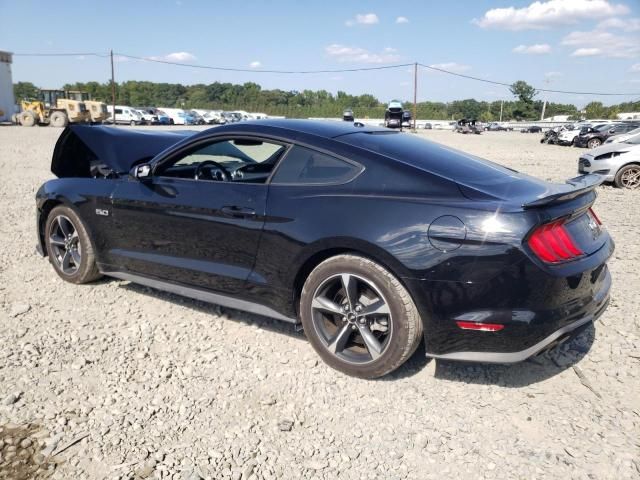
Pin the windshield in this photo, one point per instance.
(634, 140)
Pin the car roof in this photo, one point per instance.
(321, 128)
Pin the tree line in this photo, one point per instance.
(321, 103)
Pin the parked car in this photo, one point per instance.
(495, 127)
(618, 162)
(163, 118)
(568, 136)
(347, 115)
(428, 126)
(478, 261)
(393, 115)
(149, 117)
(124, 115)
(467, 126)
(594, 137)
(179, 116)
(622, 137)
(531, 129)
(198, 119)
(406, 118)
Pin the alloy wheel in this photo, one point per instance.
(65, 244)
(631, 178)
(352, 318)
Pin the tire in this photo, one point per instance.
(338, 333)
(14, 119)
(58, 119)
(59, 221)
(27, 118)
(132, 123)
(628, 177)
(594, 143)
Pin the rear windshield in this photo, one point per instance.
(435, 158)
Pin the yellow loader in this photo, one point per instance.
(53, 108)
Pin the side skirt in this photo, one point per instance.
(202, 295)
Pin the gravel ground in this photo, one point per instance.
(113, 380)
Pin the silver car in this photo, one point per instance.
(618, 162)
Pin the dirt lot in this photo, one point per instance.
(113, 380)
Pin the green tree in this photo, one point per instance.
(25, 90)
(596, 110)
(523, 91)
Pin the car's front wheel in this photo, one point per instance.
(69, 247)
(594, 143)
(628, 177)
(359, 317)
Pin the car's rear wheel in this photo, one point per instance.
(594, 143)
(359, 317)
(628, 177)
(69, 247)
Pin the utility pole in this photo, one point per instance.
(113, 90)
(501, 106)
(544, 104)
(415, 93)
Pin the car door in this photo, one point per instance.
(200, 232)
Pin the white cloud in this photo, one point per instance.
(451, 67)
(120, 59)
(537, 49)
(363, 19)
(178, 57)
(402, 20)
(586, 52)
(551, 75)
(606, 44)
(347, 54)
(541, 14)
(625, 24)
(255, 64)
(635, 68)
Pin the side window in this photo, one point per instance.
(231, 160)
(306, 166)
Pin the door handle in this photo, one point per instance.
(237, 212)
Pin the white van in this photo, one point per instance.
(125, 115)
(178, 116)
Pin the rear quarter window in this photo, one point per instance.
(306, 166)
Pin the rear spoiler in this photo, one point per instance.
(575, 187)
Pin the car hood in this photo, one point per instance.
(611, 147)
(80, 147)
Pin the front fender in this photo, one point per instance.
(84, 196)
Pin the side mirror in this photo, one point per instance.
(142, 172)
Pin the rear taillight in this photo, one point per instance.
(552, 243)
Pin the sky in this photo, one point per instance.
(577, 45)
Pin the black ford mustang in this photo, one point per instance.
(373, 239)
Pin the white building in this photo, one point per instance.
(558, 118)
(628, 116)
(7, 101)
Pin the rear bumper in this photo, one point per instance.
(556, 337)
(535, 309)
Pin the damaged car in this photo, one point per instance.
(372, 241)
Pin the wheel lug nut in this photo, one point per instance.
(358, 308)
(353, 327)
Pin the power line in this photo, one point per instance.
(253, 70)
(90, 54)
(509, 84)
(307, 72)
